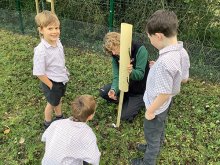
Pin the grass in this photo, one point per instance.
(193, 126)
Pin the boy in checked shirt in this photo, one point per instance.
(71, 141)
(163, 82)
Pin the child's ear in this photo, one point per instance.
(40, 30)
(90, 117)
(159, 36)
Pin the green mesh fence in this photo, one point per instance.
(84, 24)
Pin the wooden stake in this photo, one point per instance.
(37, 6)
(125, 50)
(52, 6)
(120, 108)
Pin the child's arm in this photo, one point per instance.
(115, 69)
(46, 81)
(157, 103)
(184, 81)
(91, 153)
(185, 67)
(141, 62)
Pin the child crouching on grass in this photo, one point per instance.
(72, 141)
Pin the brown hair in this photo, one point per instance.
(46, 18)
(163, 21)
(82, 107)
(111, 40)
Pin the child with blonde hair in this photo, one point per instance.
(49, 64)
(138, 70)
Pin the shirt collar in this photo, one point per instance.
(47, 44)
(175, 47)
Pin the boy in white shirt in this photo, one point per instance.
(49, 64)
(71, 141)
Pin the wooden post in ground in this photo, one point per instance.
(125, 50)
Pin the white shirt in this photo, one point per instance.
(50, 61)
(70, 143)
(166, 74)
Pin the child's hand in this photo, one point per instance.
(130, 68)
(151, 63)
(51, 85)
(149, 115)
(111, 94)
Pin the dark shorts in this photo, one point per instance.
(53, 96)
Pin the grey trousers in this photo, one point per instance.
(154, 132)
(132, 103)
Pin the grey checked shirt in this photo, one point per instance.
(166, 74)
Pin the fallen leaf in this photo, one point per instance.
(7, 131)
(22, 140)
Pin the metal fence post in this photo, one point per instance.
(18, 6)
(43, 3)
(111, 15)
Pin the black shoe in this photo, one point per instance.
(137, 161)
(141, 147)
(47, 124)
(59, 117)
(85, 163)
(130, 120)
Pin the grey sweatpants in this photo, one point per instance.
(132, 103)
(154, 132)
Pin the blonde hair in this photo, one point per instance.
(46, 18)
(82, 107)
(111, 41)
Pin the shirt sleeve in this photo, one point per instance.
(141, 61)
(48, 132)
(92, 154)
(185, 66)
(115, 69)
(44, 136)
(39, 62)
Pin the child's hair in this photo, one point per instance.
(111, 40)
(82, 107)
(162, 21)
(46, 18)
